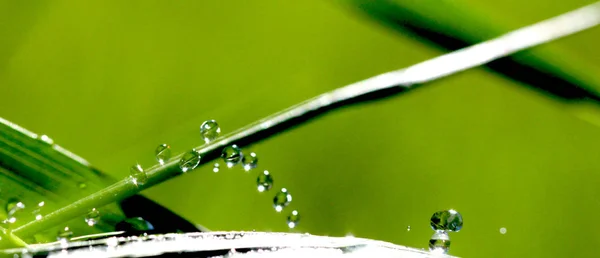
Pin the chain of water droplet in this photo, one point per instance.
(232, 156)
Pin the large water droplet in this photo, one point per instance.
(163, 153)
(293, 219)
(189, 161)
(92, 217)
(264, 181)
(138, 175)
(64, 234)
(282, 199)
(209, 130)
(250, 161)
(232, 155)
(449, 220)
(439, 242)
(135, 225)
(216, 167)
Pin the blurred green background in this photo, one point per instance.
(110, 80)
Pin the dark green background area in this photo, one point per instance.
(110, 80)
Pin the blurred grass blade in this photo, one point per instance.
(452, 26)
(379, 86)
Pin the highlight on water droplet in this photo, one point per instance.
(449, 220)
(293, 219)
(232, 155)
(163, 153)
(137, 174)
(189, 161)
(264, 181)
(46, 139)
(64, 234)
(92, 217)
(249, 161)
(408, 228)
(503, 230)
(282, 199)
(209, 130)
(216, 167)
(439, 242)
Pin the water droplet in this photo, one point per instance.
(293, 219)
(163, 153)
(13, 207)
(282, 199)
(232, 155)
(439, 242)
(502, 231)
(46, 139)
(135, 225)
(210, 130)
(449, 220)
(408, 228)
(37, 212)
(64, 234)
(216, 167)
(92, 217)
(264, 181)
(189, 161)
(82, 185)
(138, 175)
(250, 161)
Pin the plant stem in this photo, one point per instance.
(379, 86)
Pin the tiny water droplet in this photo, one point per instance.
(82, 185)
(138, 175)
(13, 208)
(293, 219)
(134, 225)
(216, 167)
(232, 155)
(163, 153)
(37, 212)
(92, 217)
(46, 139)
(449, 220)
(13, 205)
(209, 130)
(408, 228)
(250, 161)
(189, 161)
(502, 231)
(439, 242)
(264, 181)
(64, 234)
(282, 199)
